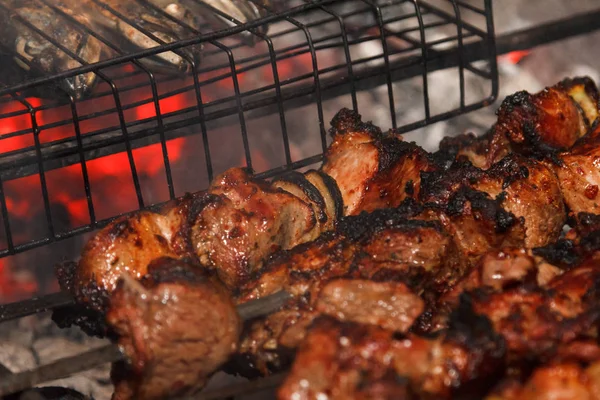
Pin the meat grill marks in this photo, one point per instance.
(176, 325)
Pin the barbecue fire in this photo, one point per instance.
(110, 176)
(476, 262)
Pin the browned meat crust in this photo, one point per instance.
(574, 373)
(128, 245)
(176, 327)
(539, 125)
(533, 305)
(347, 361)
(522, 187)
(249, 221)
(390, 305)
(579, 175)
(373, 169)
(399, 257)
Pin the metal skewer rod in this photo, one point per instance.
(35, 305)
(269, 382)
(111, 353)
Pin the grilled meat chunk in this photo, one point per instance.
(497, 270)
(548, 118)
(175, 325)
(524, 188)
(372, 169)
(579, 174)
(249, 221)
(129, 244)
(565, 381)
(476, 222)
(232, 229)
(352, 361)
(390, 305)
(530, 191)
(534, 319)
(539, 125)
(573, 373)
(399, 256)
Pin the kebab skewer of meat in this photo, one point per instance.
(241, 221)
(330, 277)
(471, 199)
(364, 169)
(558, 125)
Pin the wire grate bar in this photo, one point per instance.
(19, 161)
(309, 52)
(247, 68)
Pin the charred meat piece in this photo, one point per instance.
(539, 125)
(129, 244)
(574, 373)
(524, 188)
(372, 169)
(565, 381)
(249, 221)
(533, 320)
(530, 191)
(548, 118)
(399, 256)
(176, 327)
(390, 305)
(482, 151)
(579, 175)
(497, 270)
(476, 221)
(348, 361)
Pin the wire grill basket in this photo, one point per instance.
(313, 52)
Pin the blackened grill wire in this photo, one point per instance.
(121, 134)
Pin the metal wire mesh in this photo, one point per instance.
(46, 132)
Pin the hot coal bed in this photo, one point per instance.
(69, 165)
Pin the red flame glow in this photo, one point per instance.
(112, 174)
(515, 57)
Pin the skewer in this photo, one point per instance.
(269, 382)
(111, 353)
(35, 305)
